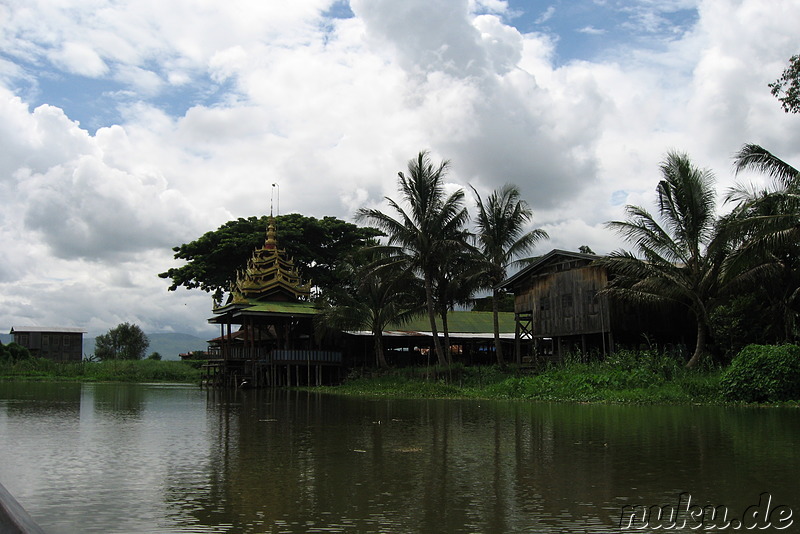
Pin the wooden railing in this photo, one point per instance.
(306, 356)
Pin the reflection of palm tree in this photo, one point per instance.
(375, 298)
(681, 259)
(501, 237)
(434, 222)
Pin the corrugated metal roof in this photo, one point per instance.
(541, 261)
(415, 333)
(465, 322)
(47, 329)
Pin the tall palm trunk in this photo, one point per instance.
(437, 344)
(446, 337)
(380, 356)
(700, 345)
(498, 347)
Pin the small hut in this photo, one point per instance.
(559, 308)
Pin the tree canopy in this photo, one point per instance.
(123, 342)
(13, 352)
(316, 245)
(787, 87)
(432, 225)
(681, 254)
(502, 237)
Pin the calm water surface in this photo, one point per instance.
(158, 458)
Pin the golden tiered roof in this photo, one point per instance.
(269, 275)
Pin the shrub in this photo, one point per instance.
(14, 352)
(763, 373)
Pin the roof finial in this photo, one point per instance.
(274, 187)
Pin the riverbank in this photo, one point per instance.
(108, 371)
(623, 378)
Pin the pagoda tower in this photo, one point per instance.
(269, 276)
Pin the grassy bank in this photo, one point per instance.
(644, 378)
(110, 371)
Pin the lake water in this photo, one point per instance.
(136, 458)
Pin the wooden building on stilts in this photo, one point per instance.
(267, 328)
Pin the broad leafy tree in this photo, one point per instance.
(503, 236)
(316, 245)
(679, 253)
(123, 342)
(787, 87)
(431, 222)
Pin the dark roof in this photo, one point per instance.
(541, 261)
(265, 308)
(47, 329)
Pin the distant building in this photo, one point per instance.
(53, 343)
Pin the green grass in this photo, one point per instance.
(109, 371)
(643, 378)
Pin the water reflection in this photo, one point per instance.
(134, 458)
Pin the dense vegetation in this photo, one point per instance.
(107, 371)
(762, 373)
(316, 245)
(627, 376)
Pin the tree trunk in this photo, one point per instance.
(380, 357)
(700, 347)
(446, 336)
(437, 344)
(498, 347)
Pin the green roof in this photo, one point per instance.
(464, 322)
(257, 307)
(288, 308)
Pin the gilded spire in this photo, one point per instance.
(270, 275)
(272, 241)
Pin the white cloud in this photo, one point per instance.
(78, 58)
(591, 30)
(546, 15)
(331, 110)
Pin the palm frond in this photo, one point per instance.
(757, 158)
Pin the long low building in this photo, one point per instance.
(51, 342)
(471, 336)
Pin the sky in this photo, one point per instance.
(130, 127)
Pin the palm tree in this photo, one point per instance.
(768, 223)
(501, 236)
(455, 283)
(681, 256)
(434, 222)
(374, 298)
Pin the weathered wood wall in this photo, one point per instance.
(564, 300)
